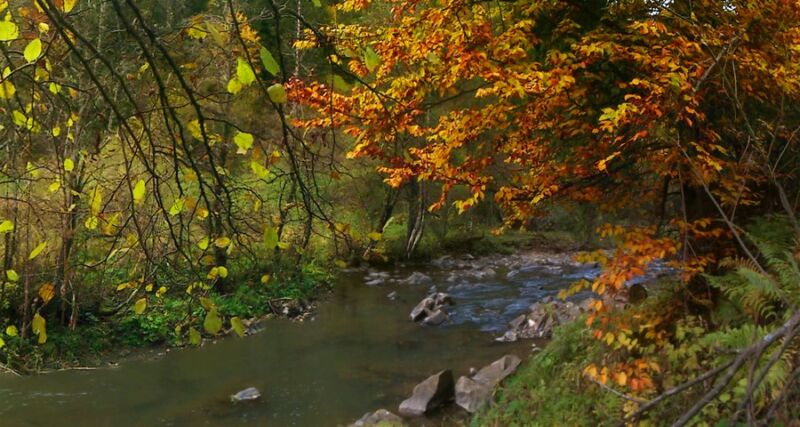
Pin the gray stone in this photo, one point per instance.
(417, 278)
(422, 310)
(429, 394)
(498, 370)
(381, 416)
(250, 393)
(392, 295)
(436, 318)
(471, 394)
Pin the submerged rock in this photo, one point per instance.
(250, 393)
(392, 295)
(417, 278)
(429, 394)
(380, 417)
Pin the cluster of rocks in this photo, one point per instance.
(470, 393)
(543, 317)
(432, 309)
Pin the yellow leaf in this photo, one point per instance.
(177, 207)
(54, 186)
(237, 326)
(374, 236)
(69, 5)
(33, 50)
(234, 86)
(194, 336)
(265, 279)
(244, 72)
(96, 200)
(38, 326)
(222, 242)
(12, 275)
(277, 93)
(222, 272)
(69, 165)
(47, 292)
(6, 226)
(12, 331)
(37, 250)
(139, 191)
(91, 222)
(622, 378)
(161, 291)
(203, 244)
(140, 305)
(212, 323)
(8, 31)
(244, 141)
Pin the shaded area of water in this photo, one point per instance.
(358, 354)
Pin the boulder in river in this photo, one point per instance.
(472, 393)
(250, 393)
(543, 317)
(429, 394)
(431, 310)
(436, 318)
(380, 417)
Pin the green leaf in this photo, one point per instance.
(6, 226)
(244, 141)
(238, 326)
(194, 336)
(270, 64)
(37, 250)
(212, 323)
(317, 3)
(271, 237)
(33, 50)
(139, 191)
(12, 275)
(277, 93)
(375, 236)
(371, 59)
(244, 72)
(8, 31)
(140, 305)
(203, 243)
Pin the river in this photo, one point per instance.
(357, 353)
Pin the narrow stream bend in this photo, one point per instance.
(359, 353)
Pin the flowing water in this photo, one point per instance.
(360, 352)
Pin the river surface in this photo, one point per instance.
(359, 352)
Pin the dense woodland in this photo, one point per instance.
(173, 168)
